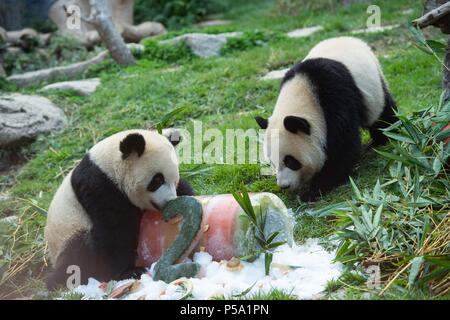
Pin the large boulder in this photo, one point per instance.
(24, 117)
(202, 44)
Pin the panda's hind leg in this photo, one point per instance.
(70, 256)
(386, 118)
(78, 261)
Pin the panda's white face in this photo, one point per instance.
(295, 135)
(295, 161)
(151, 179)
(143, 164)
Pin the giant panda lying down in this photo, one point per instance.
(94, 218)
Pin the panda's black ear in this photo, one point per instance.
(263, 123)
(296, 124)
(134, 142)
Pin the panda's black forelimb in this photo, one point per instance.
(109, 249)
(344, 110)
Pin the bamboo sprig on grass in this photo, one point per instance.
(258, 222)
(402, 224)
(168, 117)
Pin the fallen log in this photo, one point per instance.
(68, 72)
(438, 17)
(71, 71)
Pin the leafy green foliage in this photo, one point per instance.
(248, 40)
(403, 223)
(258, 222)
(171, 53)
(61, 50)
(167, 118)
(274, 294)
(176, 13)
(429, 46)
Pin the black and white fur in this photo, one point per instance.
(323, 102)
(94, 218)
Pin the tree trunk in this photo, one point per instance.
(100, 18)
(442, 22)
(446, 79)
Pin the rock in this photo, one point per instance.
(145, 29)
(11, 220)
(24, 117)
(14, 37)
(4, 197)
(275, 74)
(14, 50)
(202, 44)
(212, 23)
(2, 34)
(81, 87)
(304, 32)
(375, 29)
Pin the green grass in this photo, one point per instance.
(223, 92)
(272, 295)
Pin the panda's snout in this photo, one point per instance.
(285, 186)
(162, 196)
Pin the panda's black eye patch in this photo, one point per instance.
(157, 181)
(292, 163)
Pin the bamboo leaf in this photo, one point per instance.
(437, 46)
(377, 217)
(437, 165)
(268, 256)
(245, 292)
(355, 189)
(416, 264)
(442, 261)
(276, 244)
(168, 117)
(273, 236)
(398, 137)
(390, 156)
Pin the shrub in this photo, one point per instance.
(170, 53)
(403, 223)
(175, 14)
(249, 39)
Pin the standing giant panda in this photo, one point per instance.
(94, 218)
(323, 102)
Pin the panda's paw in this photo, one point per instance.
(309, 195)
(54, 280)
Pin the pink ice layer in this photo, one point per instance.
(215, 237)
